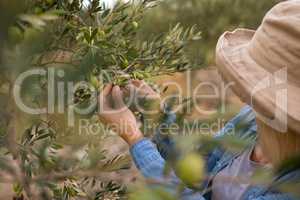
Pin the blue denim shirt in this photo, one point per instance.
(151, 158)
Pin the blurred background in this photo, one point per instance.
(212, 18)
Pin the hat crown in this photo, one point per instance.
(276, 43)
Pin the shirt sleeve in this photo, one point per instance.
(242, 125)
(150, 163)
(147, 159)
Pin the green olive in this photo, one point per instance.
(135, 24)
(147, 75)
(94, 81)
(125, 63)
(31, 34)
(123, 43)
(38, 10)
(50, 2)
(191, 169)
(101, 33)
(15, 34)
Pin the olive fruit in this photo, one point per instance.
(31, 34)
(15, 34)
(190, 168)
(50, 2)
(38, 10)
(135, 24)
(101, 33)
(95, 82)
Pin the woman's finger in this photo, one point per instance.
(103, 98)
(107, 89)
(137, 83)
(117, 97)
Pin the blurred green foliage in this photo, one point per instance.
(86, 40)
(212, 17)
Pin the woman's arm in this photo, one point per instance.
(150, 163)
(145, 154)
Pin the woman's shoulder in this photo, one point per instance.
(242, 125)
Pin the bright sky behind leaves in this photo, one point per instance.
(107, 2)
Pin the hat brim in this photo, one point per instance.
(248, 80)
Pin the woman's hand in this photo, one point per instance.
(141, 97)
(144, 99)
(141, 90)
(114, 112)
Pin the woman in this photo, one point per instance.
(265, 68)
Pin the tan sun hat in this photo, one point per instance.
(264, 65)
